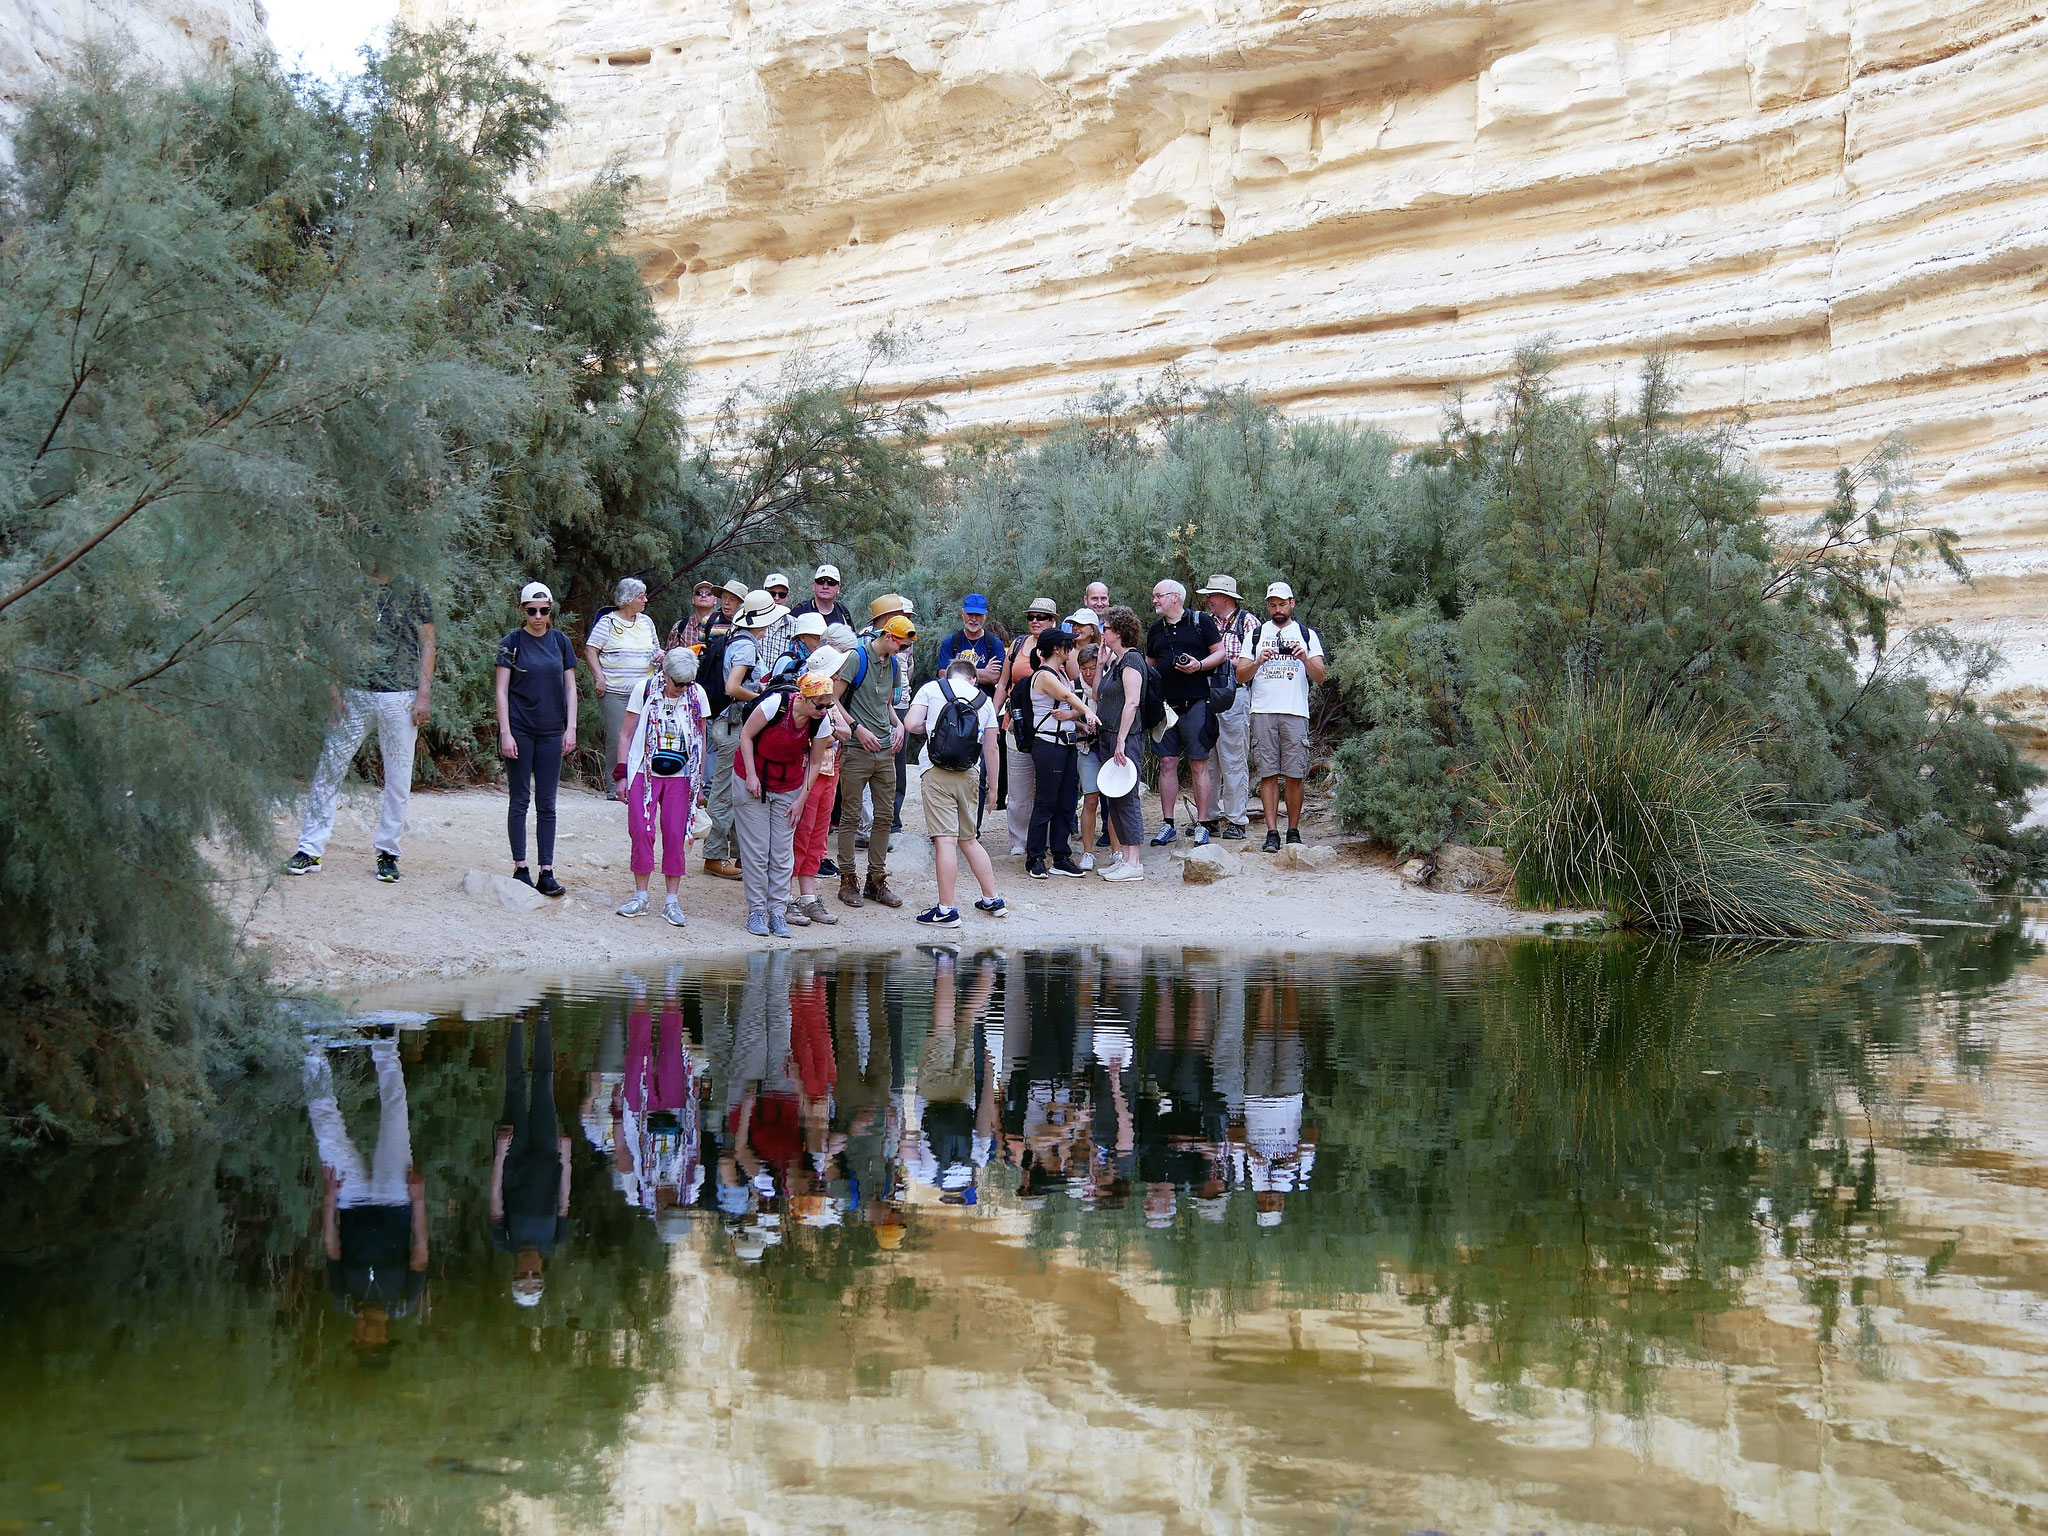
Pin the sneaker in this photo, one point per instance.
(1231, 831)
(1036, 870)
(1087, 861)
(387, 868)
(1102, 839)
(1066, 866)
(878, 892)
(795, 915)
(1016, 850)
(1294, 835)
(894, 837)
(1271, 844)
(1119, 869)
(827, 868)
(548, 885)
(637, 904)
(1164, 835)
(757, 924)
(1200, 836)
(302, 863)
(816, 910)
(940, 917)
(860, 841)
(672, 909)
(778, 925)
(849, 891)
(523, 875)
(992, 906)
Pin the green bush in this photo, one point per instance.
(1604, 799)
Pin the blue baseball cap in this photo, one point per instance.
(974, 602)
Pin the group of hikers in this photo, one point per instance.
(762, 725)
(794, 1092)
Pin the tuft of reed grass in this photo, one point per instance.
(1602, 799)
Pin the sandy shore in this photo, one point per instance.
(341, 930)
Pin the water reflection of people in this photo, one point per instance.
(656, 1141)
(1047, 1110)
(530, 1169)
(952, 1120)
(1272, 1152)
(373, 1216)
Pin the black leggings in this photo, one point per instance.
(1052, 807)
(533, 775)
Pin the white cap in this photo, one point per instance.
(775, 579)
(536, 592)
(825, 573)
(810, 623)
(1086, 616)
(1281, 589)
(1269, 1218)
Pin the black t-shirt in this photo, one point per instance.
(836, 614)
(376, 1256)
(1195, 635)
(390, 658)
(534, 701)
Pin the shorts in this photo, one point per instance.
(1189, 736)
(952, 802)
(1279, 746)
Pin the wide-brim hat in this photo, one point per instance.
(759, 611)
(737, 588)
(1114, 779)
(886, 604)
(810, 623)
(1224, 585)
(1044, 605)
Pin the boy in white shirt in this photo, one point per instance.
(1286, 656)
(951, 794)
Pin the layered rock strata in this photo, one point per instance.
(1830, 210)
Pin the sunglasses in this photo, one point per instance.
(1038, 618)
(537, 612)
(825, 581)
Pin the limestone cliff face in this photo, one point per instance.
(39, 38)
(1831, 210)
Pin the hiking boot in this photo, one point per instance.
(548, 885)
(940, 917)
(522, 874)
(1271, 844)
(723, 869)
(1036, 870)
(757, 924)
(636, 904)
(302, 863)
(1231, 831)
(795, 915)
(1065, 865)
(1294, 835)
(992, 906)
(672, 909)
(878, 891)
(827, 868)
(387, 868)
(849, 890)
(1164, 835)
(814, 908)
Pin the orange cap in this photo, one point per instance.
(815, 685)
(900, 627)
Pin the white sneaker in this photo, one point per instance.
(1119, 870)
(1087, 861)
(1016, 850)
(672, 909)
(636, 905)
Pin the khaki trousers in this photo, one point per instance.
(860, 769)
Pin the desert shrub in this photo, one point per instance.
(1605, 799)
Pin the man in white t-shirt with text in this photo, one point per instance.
(960, 722)
(1285, 658)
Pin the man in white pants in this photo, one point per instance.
(373, 1216)
(389, 683)
(1234, 725)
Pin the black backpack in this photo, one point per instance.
(1152, 703)
(711, 673)
(956, 735)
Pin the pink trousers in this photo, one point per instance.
(665, 801)
(811, 831)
